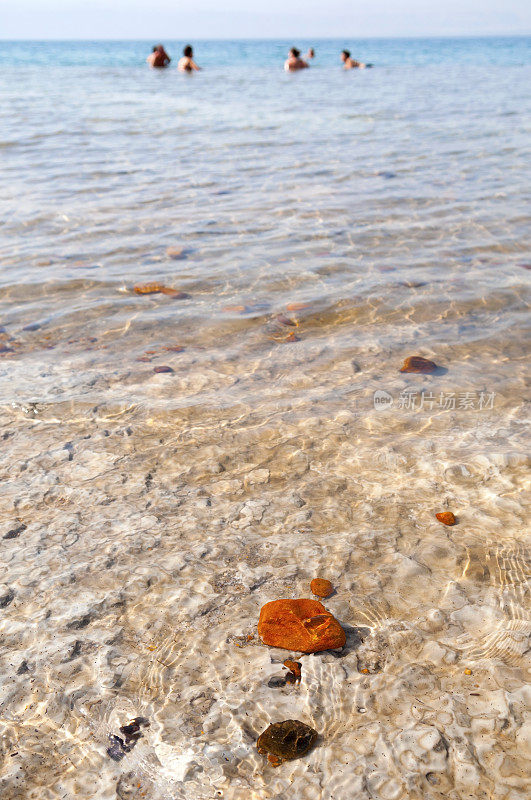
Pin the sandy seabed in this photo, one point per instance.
(151, 542)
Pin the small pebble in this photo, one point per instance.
(162, 369)
(286, 320)
(148, 288)
(418, 364)
(276, 681)
(446, 517)
(14, 532)
(321, 587)
(175, 252)
(7, 595)
(117, 749)
(294, 668)
(286, 740)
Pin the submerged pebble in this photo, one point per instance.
(176, 253)
(15, 532)
(446, 517)
(7, 595)
(283, 320)
(159, 288)
(286, 740)
(148, 288)
(321, 587)
(418, 364)
(117, 748)
(294, 668)
(132, 730)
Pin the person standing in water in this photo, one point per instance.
(187, 63)
(310, 54)
(158, 58)
(350, 63)
(294, 62)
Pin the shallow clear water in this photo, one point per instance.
(324, 226)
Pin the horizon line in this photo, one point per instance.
(523, 35)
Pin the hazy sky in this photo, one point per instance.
(189, 19)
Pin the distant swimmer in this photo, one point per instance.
(187, 63)
(350, 63)
(294, 61)
(159, 57)
(310, 54)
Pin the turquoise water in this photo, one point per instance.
(502, 51)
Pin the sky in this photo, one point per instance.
(231, 19)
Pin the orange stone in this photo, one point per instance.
(446, 517)
(301, 625)
(297, 306)
(418, 364)
(148, 288)
(159, 288)
(294, 667)
(321, 587)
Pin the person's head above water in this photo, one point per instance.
(345, 54)
(294, 52)
(187, 63)
(158, 57)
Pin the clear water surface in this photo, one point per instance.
(316, 229)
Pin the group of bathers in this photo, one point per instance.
(160, 59)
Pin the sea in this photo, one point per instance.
(209, 285)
